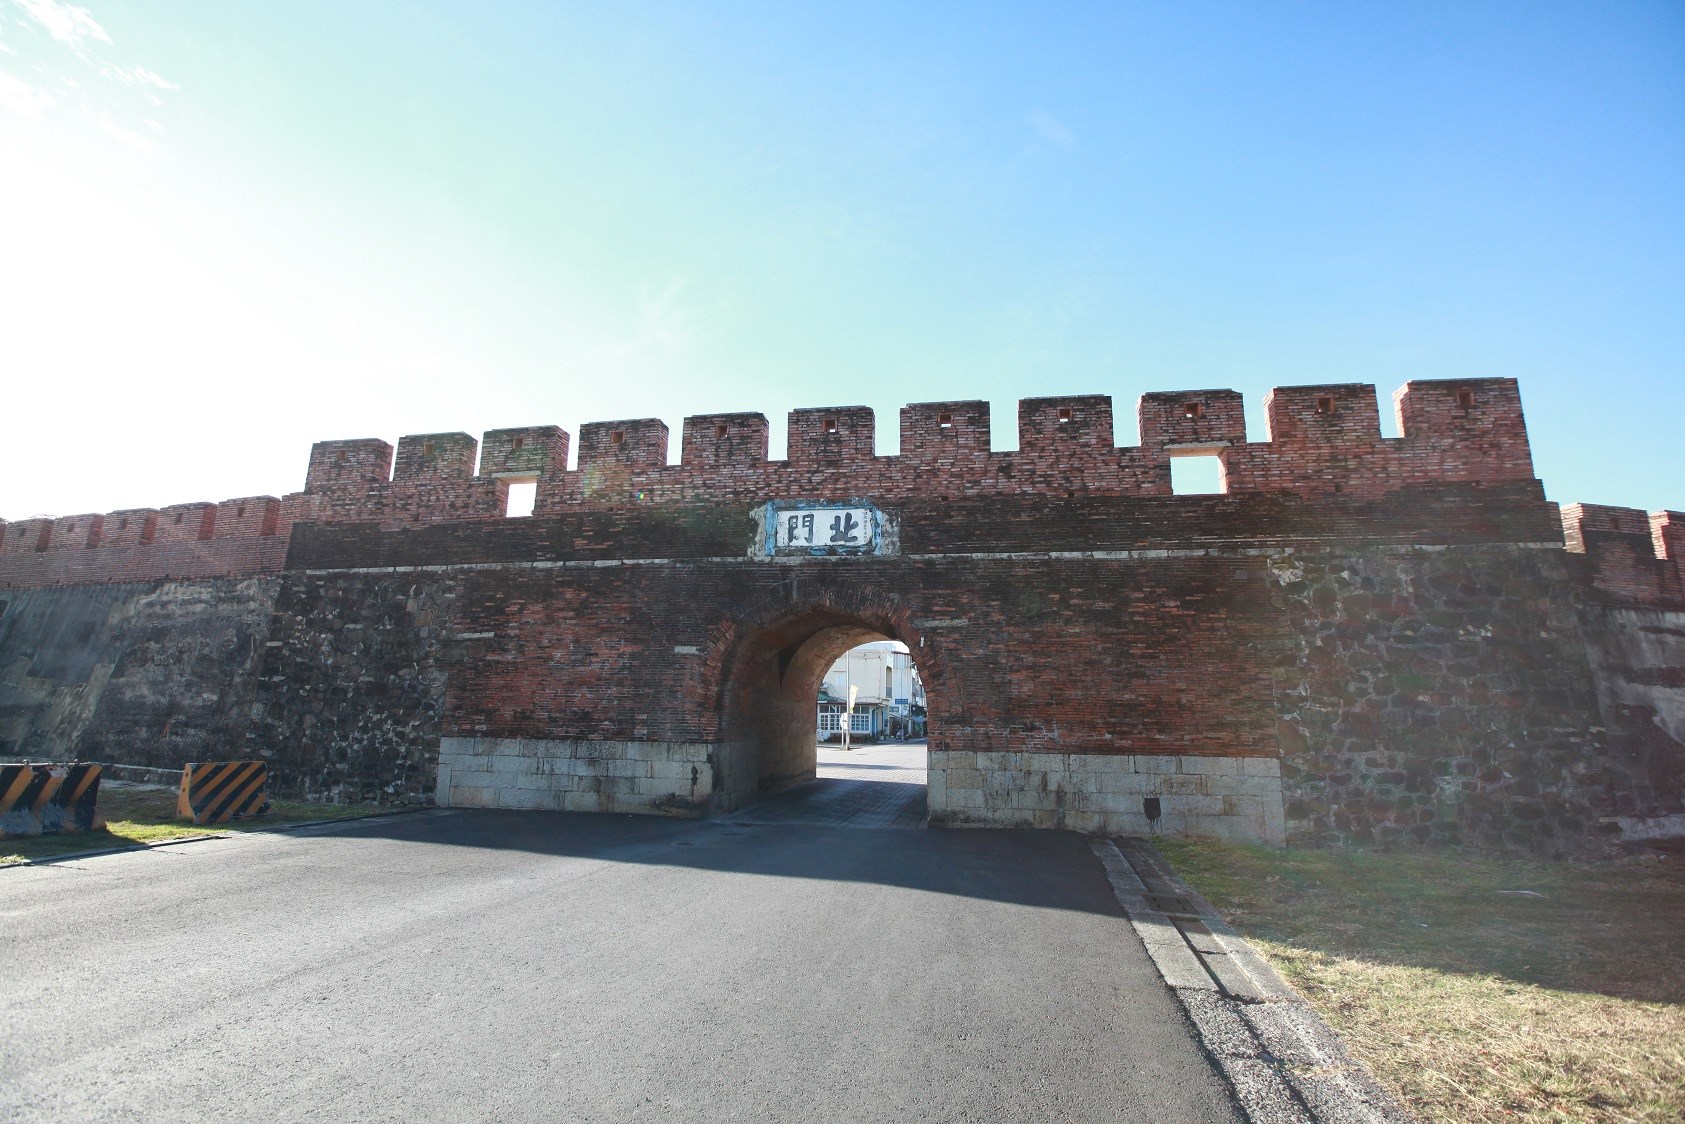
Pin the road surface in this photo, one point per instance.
(807, 959)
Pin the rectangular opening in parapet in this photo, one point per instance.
(721, 430)
(1064, 415)
(1465, 399)
(830, 425)
(1325, 405)
(1197, 474)
(618, 437)
(523, 495)
(1193, 410)
(945, 421)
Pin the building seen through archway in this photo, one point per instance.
(874, 690)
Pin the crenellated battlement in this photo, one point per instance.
(1320, 441)
(1633, 556)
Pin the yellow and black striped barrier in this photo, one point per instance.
(219, 791)
(48, 797)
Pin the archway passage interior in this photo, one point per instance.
(769, 713)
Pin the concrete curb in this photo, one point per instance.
(1283, 1063)
(279, 828)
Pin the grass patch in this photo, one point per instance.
(137, 815)
(1477, 989)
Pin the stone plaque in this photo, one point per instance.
(807, 530)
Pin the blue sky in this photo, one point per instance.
(234, 229)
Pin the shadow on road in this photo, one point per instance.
(1045, 869)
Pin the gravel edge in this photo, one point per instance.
(1283, 1064)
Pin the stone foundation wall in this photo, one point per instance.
(661, 778)
(1235, 798)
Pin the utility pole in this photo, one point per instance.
(848, 715)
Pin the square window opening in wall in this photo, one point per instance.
(240, 512)
(1325, 405)
(945, 421)
(1465, 399)
(339, 457)
(522, 498)
(427, 448)
(178, 519)
(1197, 474)
(1064, 415)
(617, 437)
(1193, 410)
(517, 444)
(721, 430)
(830, 425)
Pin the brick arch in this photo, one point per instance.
(761, 678)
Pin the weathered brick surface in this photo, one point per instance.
(1391, 625)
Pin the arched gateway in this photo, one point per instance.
(1362, 638)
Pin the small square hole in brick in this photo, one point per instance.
(1064, 415)
(617, 437)
(1193, 409)
(946, 421)
(122, 524)
(830, 425)
(240, 512)
(427, 448)
(178, 519)
(1325, 405)
(1465, 398)
(517, 444)
(522, 495)
(1200, 475)
(721, 431)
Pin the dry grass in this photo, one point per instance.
(137, 815)
(1469, 1000)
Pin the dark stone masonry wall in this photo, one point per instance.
(1442, 696)
(351, 689)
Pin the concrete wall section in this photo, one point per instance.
(151, 674)
(569, 775)
(1639, 659)
(1236, 798)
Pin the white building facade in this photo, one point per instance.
(889, 700)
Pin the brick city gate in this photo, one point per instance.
(1362, 638)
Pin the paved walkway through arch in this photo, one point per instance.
(871, 786)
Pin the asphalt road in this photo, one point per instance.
(508, 966)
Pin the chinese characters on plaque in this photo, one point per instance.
(805, 528)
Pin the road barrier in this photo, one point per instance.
(48, 797)
(219, 791)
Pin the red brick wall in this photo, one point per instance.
(1630, 557)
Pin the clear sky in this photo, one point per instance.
(232, 229)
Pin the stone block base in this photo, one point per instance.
(1235, 798)
(542, 774)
